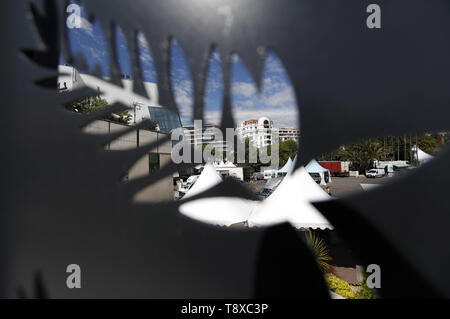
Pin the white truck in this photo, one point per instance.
(375, 172)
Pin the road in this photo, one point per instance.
(341, 186)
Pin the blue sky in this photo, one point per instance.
(276, 101)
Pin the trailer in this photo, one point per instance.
(336, 168)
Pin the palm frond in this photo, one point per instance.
(319, 249)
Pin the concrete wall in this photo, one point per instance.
(161, 190)
(111, 92)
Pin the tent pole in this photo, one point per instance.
(392, 143)
(410, 149)
(417, 152)
(404, 147)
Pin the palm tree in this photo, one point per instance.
(362, 154)
(319, 249)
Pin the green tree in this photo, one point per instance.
(362, 154)
(428, 143)
(96, 102)
(287, 149)
(255, 166)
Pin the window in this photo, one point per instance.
(153, 162)
(166, 119)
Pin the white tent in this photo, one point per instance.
(229, 164)
(420, 155)
(286, 168)
(291, 202)
(223, 164)
(223, 211)
(207, 179)
(314, 167)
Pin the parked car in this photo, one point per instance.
(269, 188)
(316, 177)
(373, 173)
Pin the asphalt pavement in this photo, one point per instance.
(341, 186)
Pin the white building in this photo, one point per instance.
(140, 107)
(226, 169)
(259, 132)
(289, 134)
(205, 135)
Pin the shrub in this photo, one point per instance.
(339, 286)
(366, 292)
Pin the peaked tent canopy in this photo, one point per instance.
(420, 155)
(222, 211)
(229, 164)
(291, 202)
(223, 164)
(286, 168)
(314, 167)
(207, 179)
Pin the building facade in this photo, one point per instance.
(154, 160)
(199, 136)
(259, 132)
(140, 107)
(262, 133)
(289, 134)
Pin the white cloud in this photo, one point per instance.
(276, 101)
(247, 103)
(87, 26)
(183, 98)
(281, 117)
(281, 98)
(144, 49)
(245, 89)
(213, 83)
(273, 65)
(215, 56)
(212, 116)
